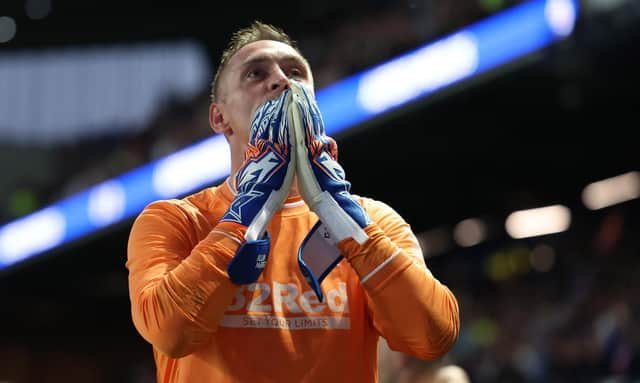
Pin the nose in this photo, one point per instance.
(278, 82)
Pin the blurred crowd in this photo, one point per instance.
(572, 320)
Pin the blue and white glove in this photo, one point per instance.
(322, 183)
(262, 184)
(321, 179)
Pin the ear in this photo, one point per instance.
(217, 120)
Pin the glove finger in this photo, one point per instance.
(316, 117)
(266, 116)
(330, 146)
(312, 120)
(260, 121)
(279, 133)
(313, 112)
(313, 126)
(307, 123)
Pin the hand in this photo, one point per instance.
(262, 184)
(324, 187)
(321, 179)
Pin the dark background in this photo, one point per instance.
(529, 135)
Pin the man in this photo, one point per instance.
(223, 284)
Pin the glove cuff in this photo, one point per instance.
(249, 261)
(317, 256)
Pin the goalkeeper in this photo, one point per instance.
(279, 274)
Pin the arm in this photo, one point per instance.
(179, 287)
(413, 310)
(410, 308)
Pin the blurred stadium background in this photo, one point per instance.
(91, 91)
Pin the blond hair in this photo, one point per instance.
(255, 32)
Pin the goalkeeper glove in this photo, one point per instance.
(262, 184)
(323, 186)
(321, 179)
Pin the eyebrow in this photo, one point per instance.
(263, 58)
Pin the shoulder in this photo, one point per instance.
(194, 208)
(386, 217)
(393, 225)
(378, 210)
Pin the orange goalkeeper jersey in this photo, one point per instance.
(203, 328)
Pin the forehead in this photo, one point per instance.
(263, 49)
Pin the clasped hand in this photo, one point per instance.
(288, 136)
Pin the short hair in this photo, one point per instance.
(255, 32)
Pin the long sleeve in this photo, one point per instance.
(178, 283)
(410, 308)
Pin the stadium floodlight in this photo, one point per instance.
(470, 232)
(51, 96)
(471, 51)
(539, 221)
(478, 48)
(612, 191)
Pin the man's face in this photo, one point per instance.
(257, 72)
